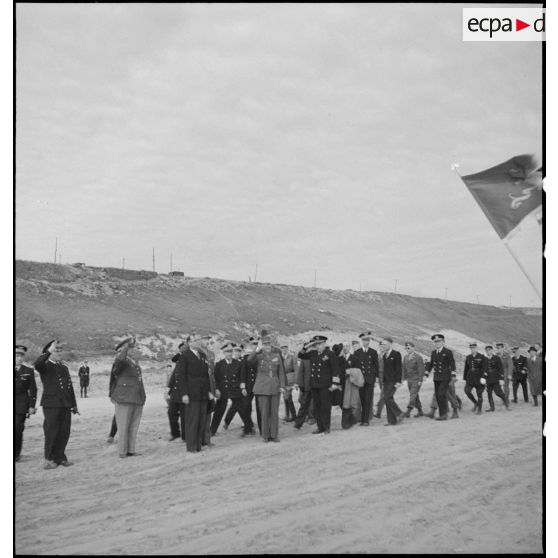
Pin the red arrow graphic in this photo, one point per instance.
(519, 25)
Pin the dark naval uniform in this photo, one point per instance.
(25, 396)
(192, 371)
(519, 376)
(83, 374)
(474, 370)
(443, 364)
(58, 402)
(227, 381)
(305, 394)
(323, 367)
(248, 373)
(494, 373)
(368, 364)
(175, 409)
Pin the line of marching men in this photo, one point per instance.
(199, 388)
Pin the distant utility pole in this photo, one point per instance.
(256, 273)
(123, 262)
(360, 287)
(510, 301)
(395, 289)
(446, 295)
(55, 249)
(315, 274)
(478, 299)
(171, 263)
(60, 258)
(153, 259)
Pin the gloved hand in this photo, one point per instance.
(185, 400)
(483, 381)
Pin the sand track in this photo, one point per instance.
(468, 485)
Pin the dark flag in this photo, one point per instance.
(511, 196)
(508, 192)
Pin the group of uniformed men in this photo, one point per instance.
(324, 376)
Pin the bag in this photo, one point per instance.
(211, 406)
(336, 397)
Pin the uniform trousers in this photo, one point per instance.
(479, 389)
(321, 397)
(494, 387)
(392, 408)
(176, 419)
(269, 409)
(441, 393)
(19, 426)
(366, 400)
(304, 401)
(195, 418)
(414, 399)
(128, 417)
(515, 385)
(56, 426)
(237, 403)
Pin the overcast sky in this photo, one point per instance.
(301, 138)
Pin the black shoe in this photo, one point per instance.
(515, 400)
(443, 417)
(17, 458)
(172, 438)
(327, 431)
(407, 414)
(226, 426)
(289, 419)
(297, 425)
(400, 418)
(65, 463)
(454, 415)
(377, 415)
(489, 410)
(274, 440)
(317, 431)
(366, 423)
(431, 414)
(419, 413)
(132, 454)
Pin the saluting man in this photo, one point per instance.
(58, 402)
(25, 396)
(324, 369)
(474, 374)
(519, 363)
(443, 364)
(367, 359)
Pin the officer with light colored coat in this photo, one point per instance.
(413, 372)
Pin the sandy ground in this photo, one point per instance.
(463, 486)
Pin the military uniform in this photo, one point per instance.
(248, 373)
(443, 364)
(176, 410)
(58, 401)
(474, 370)
(413, 372)
(227, 381)
(83, 374)
(25, 396)
(368, 364)
(494, 373)
(392, 376)
(519, 376)
(323, 367)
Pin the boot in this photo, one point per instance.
(454, 415)
(475, 407)
(443, 417)
(431, 413)
(407, 414)
(479, 409)
(419, 413)
(536, 402)
(292, 410)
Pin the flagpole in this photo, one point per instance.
(522, 269)
(454, 168)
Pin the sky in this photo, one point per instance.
(309, 140)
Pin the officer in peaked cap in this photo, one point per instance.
(324, 367)
(25, 396)
(494, 374)
(367, 361)
(442, 363)
(474, 374)
(519, 363)
(58, 402)
(228, 384)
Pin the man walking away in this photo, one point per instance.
(494, 375)
(392, 381)
(83, 374)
